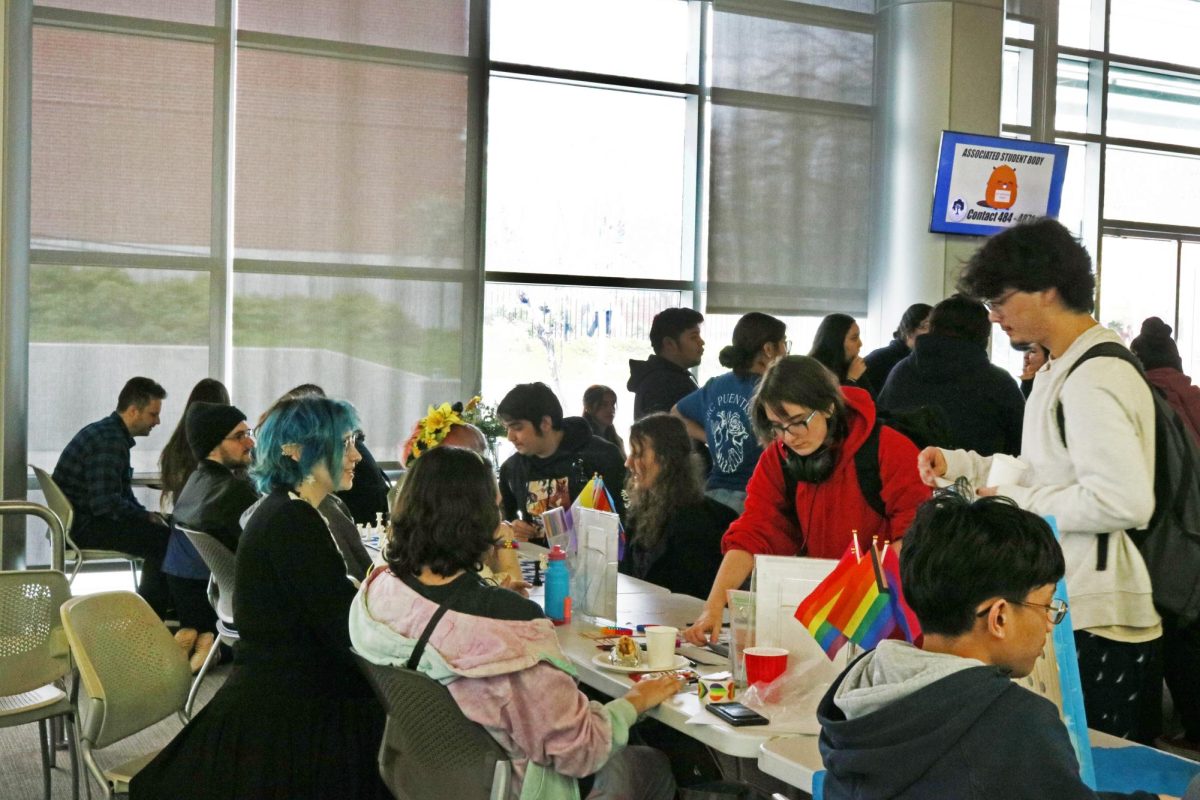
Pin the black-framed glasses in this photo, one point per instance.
(351, 440)
(794, 427)
(241, 436)
(1056, 610)
(998, 302)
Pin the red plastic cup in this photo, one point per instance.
(764, 664)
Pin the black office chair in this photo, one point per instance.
(430, 750)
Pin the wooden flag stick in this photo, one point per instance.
(879, 579)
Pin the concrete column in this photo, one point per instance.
(938, 67)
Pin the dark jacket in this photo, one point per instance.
(657, 384)
(212, 502)
(880, 362)
(578, 457)
(368, 495)
(982, 404)
(973, 735)
(687, 556)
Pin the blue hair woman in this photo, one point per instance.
(295, 718)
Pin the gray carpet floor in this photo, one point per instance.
(21, 760)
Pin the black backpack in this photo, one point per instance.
(1170, 544)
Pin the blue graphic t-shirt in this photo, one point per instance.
(722, 406)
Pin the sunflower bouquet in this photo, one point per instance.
(438, 421)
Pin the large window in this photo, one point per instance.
(644, 154)
(407, 201)
(1120, 84)
(348, 260)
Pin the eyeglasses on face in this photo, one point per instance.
(351, 440)
(1056, 610)
(998, 302)
(241, 436)
(793, 427)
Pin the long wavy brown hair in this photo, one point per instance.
(177, 461)
(678, 484)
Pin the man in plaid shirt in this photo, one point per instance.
(94, 473)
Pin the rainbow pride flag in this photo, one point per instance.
(860, 602)
(596, 495)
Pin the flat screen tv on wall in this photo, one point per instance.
(986, 184)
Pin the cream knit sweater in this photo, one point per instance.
(1102, 482)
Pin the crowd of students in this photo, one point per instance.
(783, 455)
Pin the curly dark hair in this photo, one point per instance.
(678, 484)
(1032, 257)
(445, 516)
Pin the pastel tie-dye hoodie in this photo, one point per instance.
(510, 676)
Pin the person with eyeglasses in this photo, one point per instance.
(828, 469)
(946, 719)
(212, 501)
(295, 717)
(1088, 440)
(718, 413)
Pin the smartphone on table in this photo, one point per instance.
(737, 714)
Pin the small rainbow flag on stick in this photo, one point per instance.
(596, 495)
(860, 602)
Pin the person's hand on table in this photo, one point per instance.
(706, 628)
(650, 692)
(524, 531)
(931, 464)
(506, 581)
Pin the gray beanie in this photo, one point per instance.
(207, 424)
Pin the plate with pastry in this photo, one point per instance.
(602, 660)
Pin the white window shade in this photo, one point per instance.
(789, 231)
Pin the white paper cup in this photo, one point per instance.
(660, 646)
(1005, 469)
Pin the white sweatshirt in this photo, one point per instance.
(1103, 481)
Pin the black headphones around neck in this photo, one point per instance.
(816, 467)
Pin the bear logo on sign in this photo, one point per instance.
(1001, 188)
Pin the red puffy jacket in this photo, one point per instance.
(1181, 394)
(827, 512)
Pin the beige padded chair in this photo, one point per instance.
(132, 674)
(60, 505)
(35, 660)
(221, 562)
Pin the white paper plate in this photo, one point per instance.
(601, 660)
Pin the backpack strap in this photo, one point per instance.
(1102, 350)
(1106, 350)
(419, 648)
(866, 465)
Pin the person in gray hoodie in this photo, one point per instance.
(946, 720)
